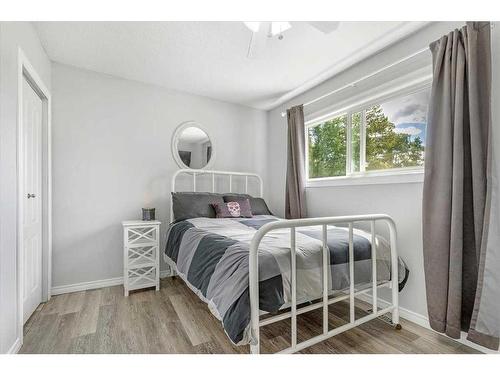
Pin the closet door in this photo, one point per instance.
(32, 201)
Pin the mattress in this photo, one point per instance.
(211, 256)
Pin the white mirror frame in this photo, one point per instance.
(175, 142)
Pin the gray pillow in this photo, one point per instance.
(258, 205)
(187, 205)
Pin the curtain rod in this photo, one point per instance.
(353, 84)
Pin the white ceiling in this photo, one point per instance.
(210, 58)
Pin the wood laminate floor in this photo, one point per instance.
(174, 320)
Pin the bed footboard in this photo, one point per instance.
(256, 322)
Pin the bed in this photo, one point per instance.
(245, 268)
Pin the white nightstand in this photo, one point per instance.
(141, 254)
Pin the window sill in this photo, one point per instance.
(407, 177)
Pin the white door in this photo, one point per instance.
(32, 200)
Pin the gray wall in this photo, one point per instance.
(12, 36)
(112, 156)
(402, 201)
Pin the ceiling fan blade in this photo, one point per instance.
(325, 27)
(258, 41)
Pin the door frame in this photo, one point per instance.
(28, 72)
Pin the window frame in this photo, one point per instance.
(363, 177)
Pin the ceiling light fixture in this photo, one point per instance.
(274, 27)
(253, 26)
(277, 28)
(263, 31)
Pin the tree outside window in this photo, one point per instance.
(394, 138)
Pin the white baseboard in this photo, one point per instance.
(15, 347)
(86, 285)
(423, 321)
(78, 287)
(414, 317)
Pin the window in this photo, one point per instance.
(388, 136)
(328, 148)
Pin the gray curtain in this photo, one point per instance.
(455, 198)
(295, 202)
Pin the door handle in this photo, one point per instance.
(31, 196)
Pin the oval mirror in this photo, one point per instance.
(192, 146)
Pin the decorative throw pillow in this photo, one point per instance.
(257, 205)
(232, 209)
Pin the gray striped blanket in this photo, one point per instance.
(211, 256)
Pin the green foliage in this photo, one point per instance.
(327, 148)
(385, 149)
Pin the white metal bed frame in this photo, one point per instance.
(256, 323)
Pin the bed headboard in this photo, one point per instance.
(203, 172)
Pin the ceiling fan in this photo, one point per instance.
(262, 31)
